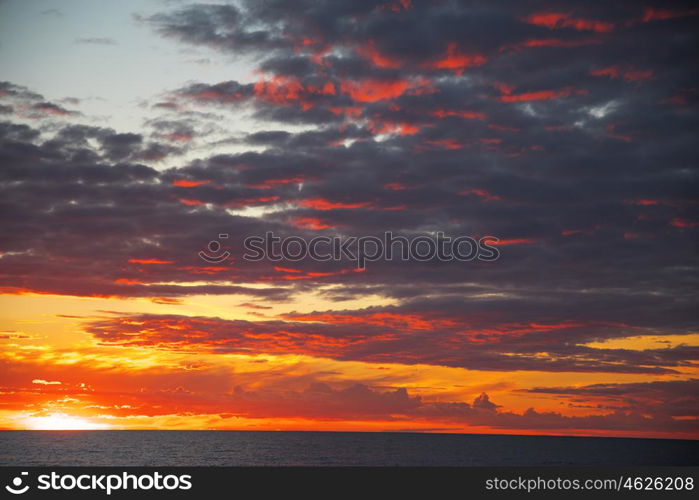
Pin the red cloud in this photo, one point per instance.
(511, 241)
(397, 5)
(550, 42)
(351, 111)
(393, 320)
(552, 20)
(683, 223)
(309, 223)
(542, 95)
(372, 90)
(653, 14)
(127, 281)
(393, 128)
(150, 261)
(643, 202)
(188, 183)
(482, 193)
(456, 61)
(629, 73)
(312, 274)
(470, 115)
(271, 183)
(323, 204)
(179, 137)
(375, 336)
(210, 270)
(279, 89)
(190, 202)
(370, 52)
(557, 42)
(251, 201)
(446, 143)
(166, 301)
(49, 108)
(503, 88)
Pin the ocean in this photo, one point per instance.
(253, 448)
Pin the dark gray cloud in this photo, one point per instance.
(52, 13)
(220, 26)
(28, 104)
(671, 398)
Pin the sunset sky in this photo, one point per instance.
(133, 133)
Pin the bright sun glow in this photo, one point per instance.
(61, 422)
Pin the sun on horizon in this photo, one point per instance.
(61, 422)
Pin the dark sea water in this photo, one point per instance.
(252, 448)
